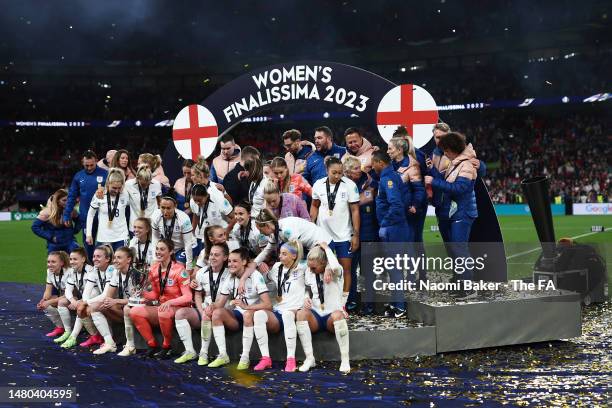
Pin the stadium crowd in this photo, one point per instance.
(576, 149)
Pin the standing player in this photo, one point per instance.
(335, 208)
(254, 168)
(83, 187)
(171, 223)
(112, 222)
(57, 272)
(169, 292)
(97, 279)
(255, 297)
(288, 277)
(324, 310)
(145, 194)
(75, 287)
(208, 281)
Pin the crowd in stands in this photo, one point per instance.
(573, 148)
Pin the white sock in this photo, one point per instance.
(184, 330)
(247, 341)
(53, 314)
(89, 326)
(345, 296)
(76, 329)
(65, 316)
(205, 332)
(342, 336)
(290, 332)
(219, 333)
(102, 325)
(260, 318)
(129, 331)
(303, 331)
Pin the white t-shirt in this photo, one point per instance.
(255, 285)
(216, 212)
(58, 281)
(294, 228)
(293, 286)
(78, 281)
(99, 279)
(339, 223)
(255, 241)
(139, 248)
(134, 190)
(125, 287)
(256, 196)
(332, 292)
(203, 280)
(118, 230)
(181, 232)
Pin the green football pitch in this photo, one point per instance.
(22, 254)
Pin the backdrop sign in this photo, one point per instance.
(374, 100)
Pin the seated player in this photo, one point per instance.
(97, 280)
(144, 251)
(57, 273)
(288, 277)
(169, 292)
(255, 298)
(112, 301)
(324, 310)
(208, 281)
(75, 287)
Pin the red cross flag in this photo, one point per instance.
(410, 106)
(195, 132)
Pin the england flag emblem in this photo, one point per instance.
(195, 132)
(410, 106)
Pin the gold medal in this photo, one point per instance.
(142, 213)
(279, 299)
(322, 306)
(110, 223)
(330, 212)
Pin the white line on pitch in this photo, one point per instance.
(538, 248)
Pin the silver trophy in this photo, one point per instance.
(139, 282)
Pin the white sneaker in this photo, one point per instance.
(307, 365)
(345, 367)
(105, 348)
(127, 351)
